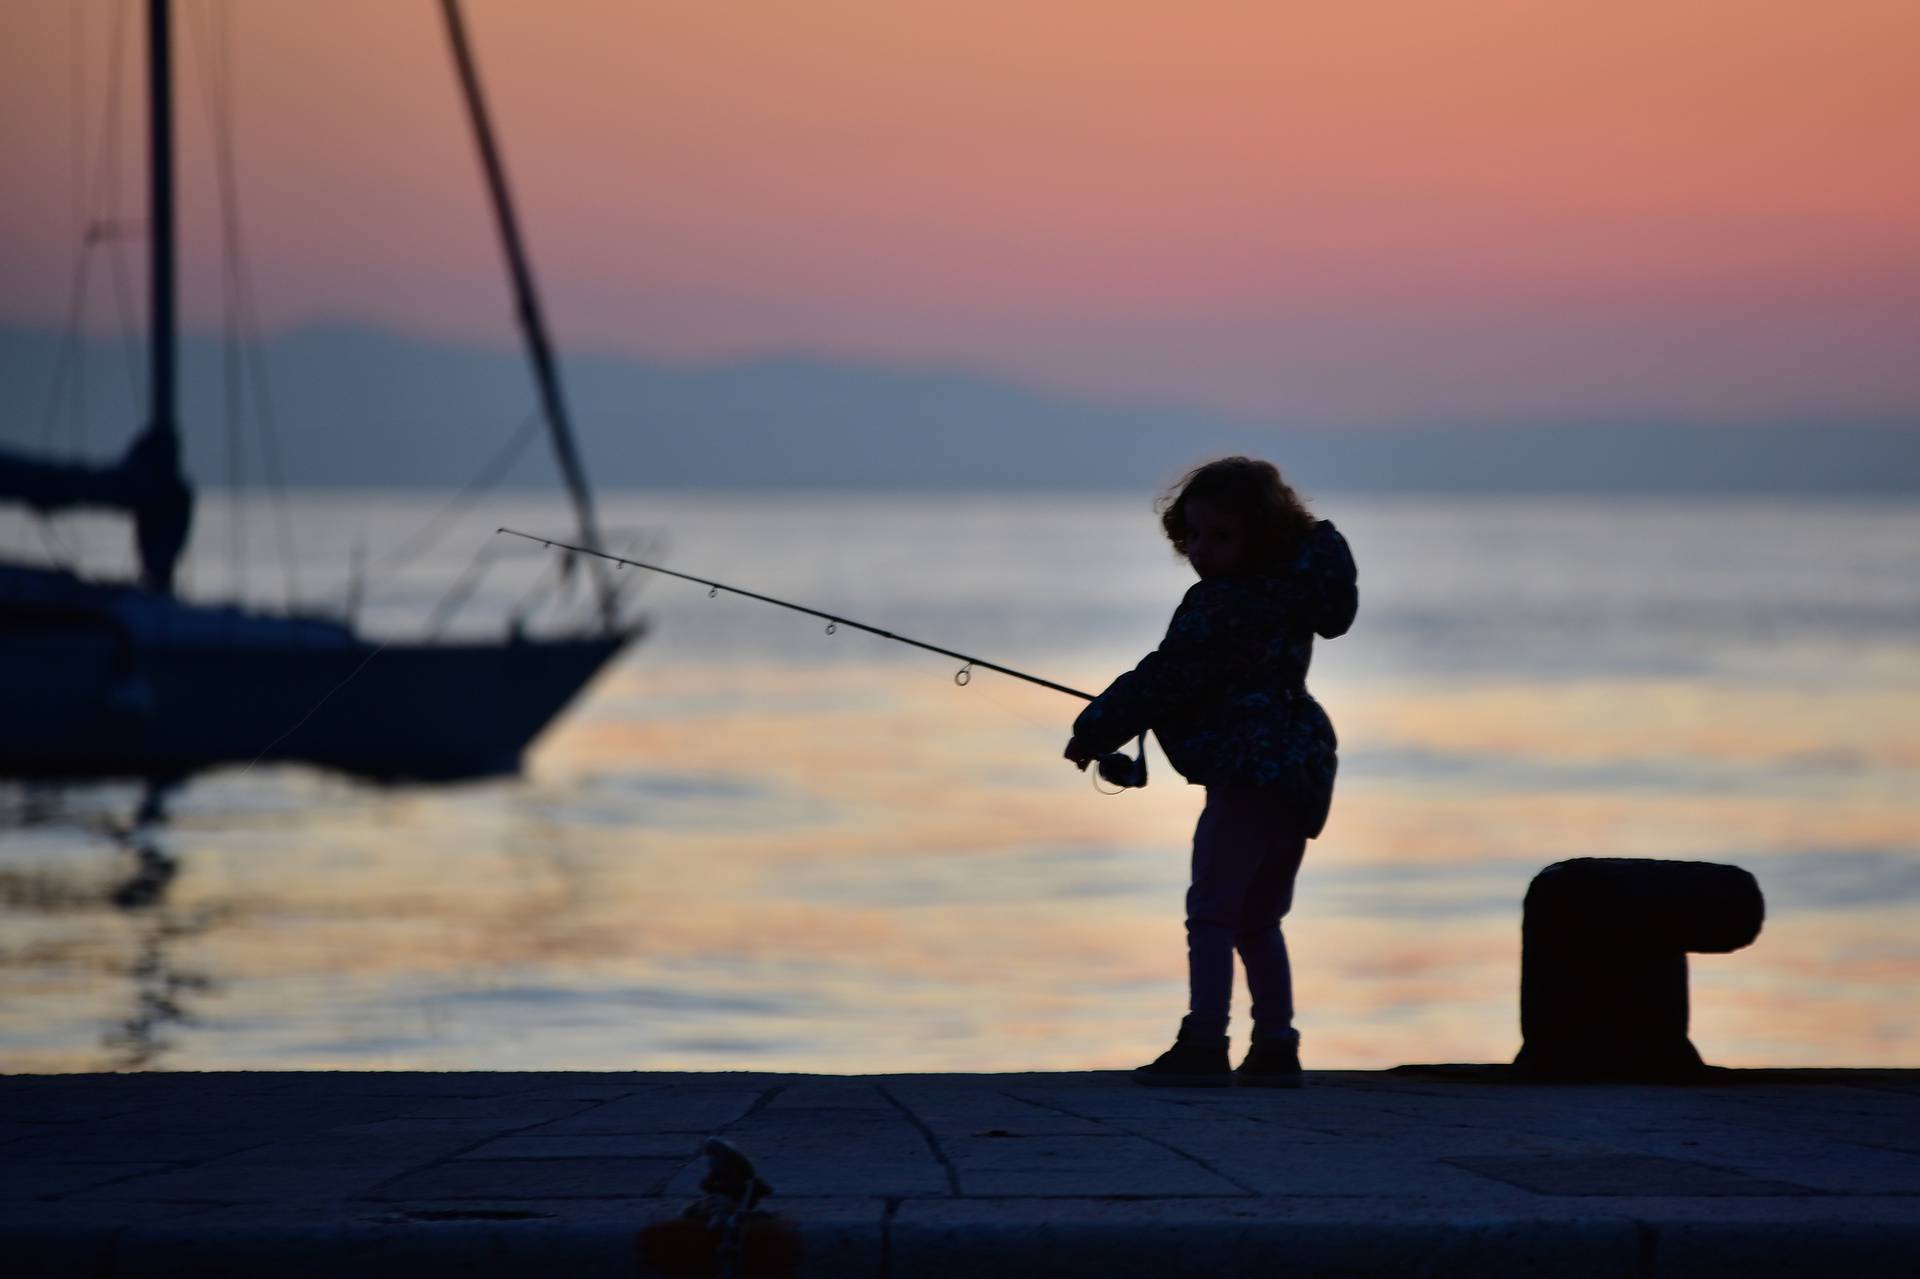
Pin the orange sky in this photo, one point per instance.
(1347, 213)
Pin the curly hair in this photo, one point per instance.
(1249, 487)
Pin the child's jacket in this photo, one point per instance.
(1225, 693)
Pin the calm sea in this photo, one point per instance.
(754, 845)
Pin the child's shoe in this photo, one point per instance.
(1191, 1063)
(1270, 1063)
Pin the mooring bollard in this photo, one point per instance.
(1603, 963)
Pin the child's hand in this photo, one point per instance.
(1079, 754)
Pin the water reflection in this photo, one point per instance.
(160, 989)
(751, 845)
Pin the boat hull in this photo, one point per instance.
(84, 701)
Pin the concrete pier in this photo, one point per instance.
(1405, 1172)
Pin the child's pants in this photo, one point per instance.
(1246, 851)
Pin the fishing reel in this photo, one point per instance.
(1126, 771)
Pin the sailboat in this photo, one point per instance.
(124, 679)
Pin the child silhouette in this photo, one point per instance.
(1225, 694)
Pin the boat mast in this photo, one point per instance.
(527, 306)
(161, 350)
(149, 477)
(146, 482)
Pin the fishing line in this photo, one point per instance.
(1015, 710)
(316, 707)
(1120, 769)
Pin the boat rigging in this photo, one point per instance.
(113, 678)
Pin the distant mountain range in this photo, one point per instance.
(358, 406)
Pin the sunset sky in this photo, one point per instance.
(1345, 214)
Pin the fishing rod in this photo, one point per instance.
(1121, 769)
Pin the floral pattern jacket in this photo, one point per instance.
(1225, 693)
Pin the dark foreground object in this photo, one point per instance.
(1408, 1172)
(1603, 970)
